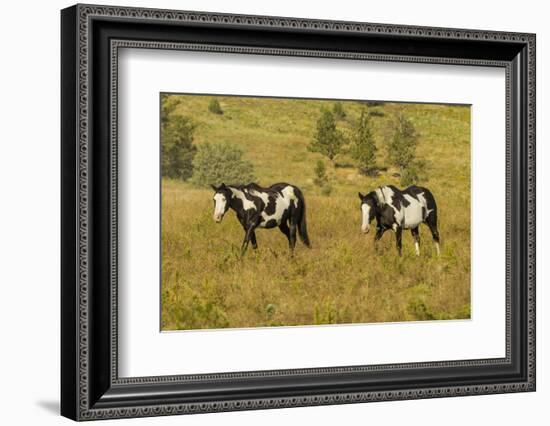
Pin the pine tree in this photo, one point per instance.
(328, 140)
(177, 148)
(364, 147)
(402, 148)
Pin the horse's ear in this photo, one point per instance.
(214, 187)
(361, 196)
(222, 186)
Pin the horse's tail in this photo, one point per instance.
(431, 205)
(302, 223)
(431, 218)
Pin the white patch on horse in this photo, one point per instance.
(263, 195)
(424, 202)
(282, 203)
(247, 204)
(219, 206)
(417, 248)
(288, 193)
(365, 226)
(414, 212)
(384, 195)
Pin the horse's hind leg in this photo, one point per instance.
(292, 229)
(432, 224)
(398, 239)
(416, 235)
(292, 236)
(435, 235)
(285, 230)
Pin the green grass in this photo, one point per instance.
(205, 282)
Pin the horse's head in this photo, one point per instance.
(369, 206)
(222, 195)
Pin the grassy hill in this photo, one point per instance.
(205, 284)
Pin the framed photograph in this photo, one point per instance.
(263, 212)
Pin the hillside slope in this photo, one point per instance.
(274, 134)
(342, 279)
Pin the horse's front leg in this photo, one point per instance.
(251, 226)
(246, 239)
(253, 240)
(379, 232)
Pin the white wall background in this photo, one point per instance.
(29, 211)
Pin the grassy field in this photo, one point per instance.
(205, 282)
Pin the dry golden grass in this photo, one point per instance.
(206, 284)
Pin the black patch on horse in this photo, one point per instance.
(271, 205)
(271, 223)
(398, 199)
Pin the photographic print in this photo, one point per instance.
(268, 184)
(303, 212)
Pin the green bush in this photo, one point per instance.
(338, 111)
(177, 148)
(214, 107)
(168, 104)
(419, 311)
(321, 178)
(409, 177)
(375, 103)
(376, 113)
(222, 162)
(326, 190)
(414, 173)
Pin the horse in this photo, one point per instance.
(281, 205)
(397, 210)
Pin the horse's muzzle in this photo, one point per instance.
(365, 229)
(217, 218)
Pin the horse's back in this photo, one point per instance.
(415, 190)
(418, 190)
(276, 187)
(280, 185)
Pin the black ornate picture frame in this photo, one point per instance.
(91, 36)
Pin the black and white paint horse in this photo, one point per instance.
(281, 205)
(397, 210)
